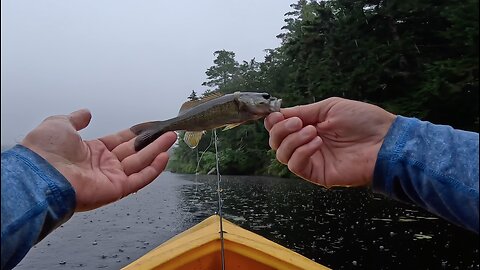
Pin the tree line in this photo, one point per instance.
(413, 58)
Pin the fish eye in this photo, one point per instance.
(266, 96)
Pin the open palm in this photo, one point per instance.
(102, 170)
(333, 142)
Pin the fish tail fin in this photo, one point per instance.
(147, 133)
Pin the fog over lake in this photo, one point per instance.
(127, 61)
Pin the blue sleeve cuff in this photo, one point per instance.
(59, 189)
(390, 152)
(36, 199)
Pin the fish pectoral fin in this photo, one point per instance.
(230, 126)
(192, 138)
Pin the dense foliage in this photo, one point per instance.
(414, 58)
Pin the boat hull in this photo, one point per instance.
(199, 248)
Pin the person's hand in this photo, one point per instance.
(333, 142)
(102, 170)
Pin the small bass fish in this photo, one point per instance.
(213, 111)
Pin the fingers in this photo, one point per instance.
(126, 149)
(293, 141)
(292, 119)
(80, 119)
(145, 176)
(300, 161)
(272, 119)
(114, 140)
(282, 129)
(136, 161)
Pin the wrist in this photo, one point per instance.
(374, 150)
(62, 165)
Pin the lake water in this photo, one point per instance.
(340, 228)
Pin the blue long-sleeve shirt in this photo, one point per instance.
(433, 166)
(430, 165)
(36, 199)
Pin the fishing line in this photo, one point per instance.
(214, 138)
(196, 179)
(219, 191)
(198, 165)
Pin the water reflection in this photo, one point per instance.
(341, 228)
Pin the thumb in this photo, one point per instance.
(307, 113)
(312, 113)
(80, 119)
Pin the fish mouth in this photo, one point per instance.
(275, 104)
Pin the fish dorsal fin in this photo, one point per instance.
(192, 103)
(230, 126)
(192, 138)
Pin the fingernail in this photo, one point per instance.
(292, 124)
(317, 140)
(306, 131)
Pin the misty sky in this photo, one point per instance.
(126, 61)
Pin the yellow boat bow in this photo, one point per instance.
(199, 248)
